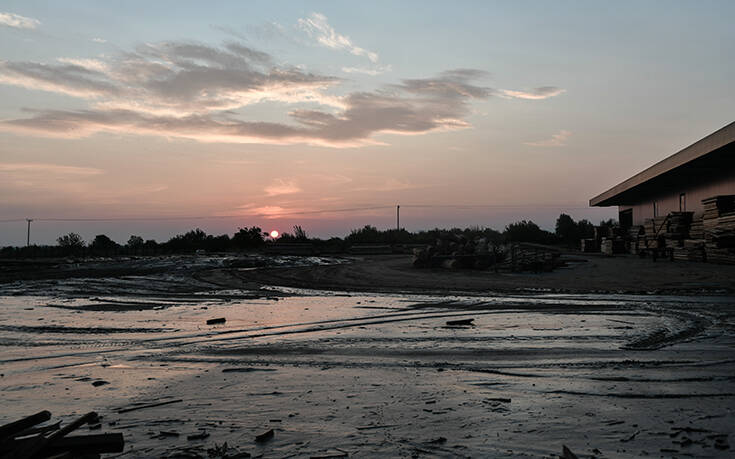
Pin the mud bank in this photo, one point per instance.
(584, 273)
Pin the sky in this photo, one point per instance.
(163, 116)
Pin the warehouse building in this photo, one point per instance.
(679, 183)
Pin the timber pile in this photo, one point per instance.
(453, 251)
(719, 229)
(589, 245)
(663, 232)
(610, 246)
(709, 236)
(691, 250)
(26, 438)
(696, 229)
(636, 236)
(532, 257)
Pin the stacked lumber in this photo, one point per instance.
(719, 229)
(610, 246)
(533, 257)
(589, 245)
(636, 238)
(696, 228)
(455, 251)
(691, 250)
(27, 438)
(710, 208)
(686, 236)
(677, 226)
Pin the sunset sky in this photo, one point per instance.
(283, 113)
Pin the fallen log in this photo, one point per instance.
(149, 405)
(264, 436)
(219, 320)
(31, 448)
(9, 430)
(567, 453)
(85, 444)
(460, 322)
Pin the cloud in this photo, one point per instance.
(543, 92)
(99, 40)
(18, 22)
(317, 26)
(47, 169)
(174, 78)
(65, 78)
(94, 65)
(279, 187)
(376, 70)
(557, 140)
(206, 93)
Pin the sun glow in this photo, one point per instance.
(274, 234)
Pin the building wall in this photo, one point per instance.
(668, 200)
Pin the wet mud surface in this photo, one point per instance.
(335, 373)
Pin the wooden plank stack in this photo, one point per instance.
(696, 229)
(719, 229)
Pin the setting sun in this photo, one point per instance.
(274, 234)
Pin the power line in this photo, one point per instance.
(304, 212)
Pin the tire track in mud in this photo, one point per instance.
(335, 324)
(691, 324)
(260, 332)
(149, 344)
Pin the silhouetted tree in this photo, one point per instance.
(366, 234)
(71, 244)
(101, 244)
(567, 229)
(248, 238)
(586, 229)
(609, 223)
(187, 242)
(299, 234)
(135, 242)
(71, 240)
(527, 231)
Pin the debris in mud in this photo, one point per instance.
(566, 453)
(226, 452)
(245, 370)
(219, 320)
(264, 437)
(20, 439)
(147, 405)
(330, 455)
(101, 382)
(460, 322)
(631, 437)
(198, 436)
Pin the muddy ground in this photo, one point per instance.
(363, 363)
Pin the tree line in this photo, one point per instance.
(567, 232)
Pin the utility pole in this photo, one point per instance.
(28, 234)
(398, 218)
